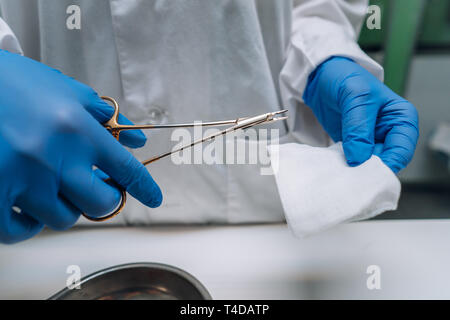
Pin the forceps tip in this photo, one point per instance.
(280, 112)
(280, 118)
(273, 114)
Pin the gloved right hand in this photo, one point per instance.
(50, 139)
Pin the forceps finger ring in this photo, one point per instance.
(113, 126)
(119, 208)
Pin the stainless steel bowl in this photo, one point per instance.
(137, 281)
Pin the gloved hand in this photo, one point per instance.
(356, 108)
(50, 139)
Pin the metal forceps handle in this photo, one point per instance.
(113, 126)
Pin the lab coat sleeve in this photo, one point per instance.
(321, 29)
(8, 41)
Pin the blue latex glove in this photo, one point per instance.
(356, 108)
(50, 139)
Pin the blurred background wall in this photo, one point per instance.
(413, 45)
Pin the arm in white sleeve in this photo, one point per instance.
(8, 40)
(321, 29)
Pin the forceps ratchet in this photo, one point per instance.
(114, 127)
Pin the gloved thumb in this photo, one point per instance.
(358, 127)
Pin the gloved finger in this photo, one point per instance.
(53, 211)
(399, 146)
(15, 227)
(88, 192)
(378, 149)
(398, 129)
(99, 173)
(126, 170)
(102, 112)
(358, 127)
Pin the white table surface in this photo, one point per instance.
(247, 262)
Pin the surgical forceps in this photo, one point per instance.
(113, 126)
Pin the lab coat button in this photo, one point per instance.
(156, 115)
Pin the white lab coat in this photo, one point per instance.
(179, 61)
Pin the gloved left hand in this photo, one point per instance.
(356, 108)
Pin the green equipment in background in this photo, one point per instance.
(407, 25)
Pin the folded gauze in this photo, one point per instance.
(319, 190)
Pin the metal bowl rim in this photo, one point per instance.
(159, 266)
